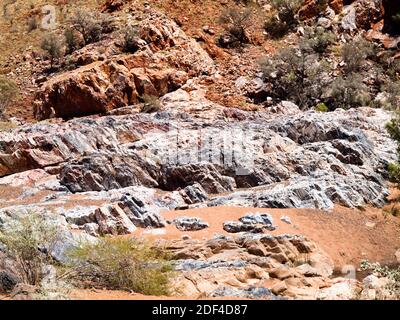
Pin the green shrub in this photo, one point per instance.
(9, 92)
(123, 264)
(392, 274)
(90, 25)
(284, 18)
(33, 23)
(321, 107)
(131, 36)
(355, 53)
(349, 92)
(295, 74)
(392, 89)
(317, 40)
(53, 47)
(27, 241)
(276, 28)
(71, 40)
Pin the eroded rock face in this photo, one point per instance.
(165, 61)
(102, 86)
(306, 159)
(253, 266)
(357, 14)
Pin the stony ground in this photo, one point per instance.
(252, 201)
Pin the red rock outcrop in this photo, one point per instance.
(165, 62)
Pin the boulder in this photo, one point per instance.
(236, 227)
(264, 219)
(190, 224)
(113, 220)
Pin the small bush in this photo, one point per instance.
(284, 20)
(392, 274)
(276, 28)
(321, 107)
(393, 211)
(355, 53)
(124, 264)
(150, 104)
(71, 40)
(349, 92)
(27, 241)
(392, 89)
(8, 93)
(295, 75)
(131, 40)
(90, 25)
(53, 47)
(317, 40)
(236, 22)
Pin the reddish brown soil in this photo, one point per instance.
(346, 235)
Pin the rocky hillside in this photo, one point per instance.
(188, 130)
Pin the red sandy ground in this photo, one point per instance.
(346, 235)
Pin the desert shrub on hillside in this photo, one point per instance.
(392, 89)
(27, 241)
(296, 74)
(284, 18)
(53, 47)
(124, 264)
(349, 92)
(392, 274)
(131, 36)
(90, 25)
(72, 42)
(8, 93)
(236, 22)
(317, 40)
(355, 53)
(309, 74)
(321, 107)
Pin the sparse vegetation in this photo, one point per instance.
(321, 107)
(124, 264)
(27, 241)
(131, 38)
(284, 18)
(305, 74)
(355, 53)
(71, 40)
(393, 274)
(236, 22)
(393, 127)
(393, 211)
(348, 92)
(8, 93)
(53, 47)
(90, 25)
(317, 40)
(33, 23)
(296, 74)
